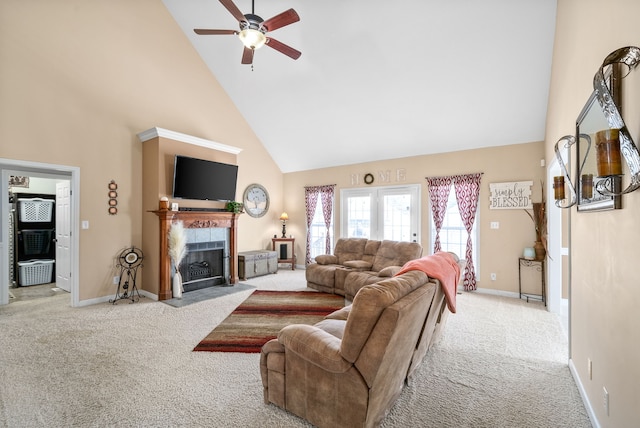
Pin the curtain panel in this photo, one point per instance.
(326, 194)
(467, 191)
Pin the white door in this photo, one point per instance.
(63, 235)
(390, 213)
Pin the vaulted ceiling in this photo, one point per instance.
(383, 79)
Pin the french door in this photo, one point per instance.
(390, 213)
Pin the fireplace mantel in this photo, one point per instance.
(195, 219)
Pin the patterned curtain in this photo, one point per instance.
(326, 197)
(311, 194)
(467, 188)
(439, 188)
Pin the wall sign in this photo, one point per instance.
(386, 176)
(514, 195)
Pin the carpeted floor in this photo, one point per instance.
(500, 363)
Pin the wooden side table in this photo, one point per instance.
(290, 258)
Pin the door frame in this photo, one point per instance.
(555, 303)
(45, 170)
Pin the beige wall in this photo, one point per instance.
(604, 287)
(499, 249)
(79, 80)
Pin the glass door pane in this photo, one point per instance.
(359, 217)
(396, 214)
(390, 213)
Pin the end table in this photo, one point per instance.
(287, 259)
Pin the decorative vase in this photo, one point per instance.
(177, 286)
(529, 253)
(540, 251)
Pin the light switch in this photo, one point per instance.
(85, 224)
(495, 225)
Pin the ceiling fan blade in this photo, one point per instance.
(285, 18)
(285, 49)
(203, 31)
(247, 56)
(231, 7)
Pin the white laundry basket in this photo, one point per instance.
(35, 209)
(34, 272)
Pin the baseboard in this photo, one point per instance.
(493, 292)
(583, 395)
(106, 299)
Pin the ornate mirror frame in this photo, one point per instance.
(591, 120)
(605, 191)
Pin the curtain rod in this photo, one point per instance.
(455, 175)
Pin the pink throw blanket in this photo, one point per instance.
(441, 266)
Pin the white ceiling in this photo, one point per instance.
(384, 79)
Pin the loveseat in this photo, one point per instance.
(374, 259)
(349, 369)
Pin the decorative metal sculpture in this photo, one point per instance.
(629, 56)
(129, 260)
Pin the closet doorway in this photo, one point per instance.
(61, 183)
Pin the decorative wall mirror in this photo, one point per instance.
(606, 154)
(590, 121)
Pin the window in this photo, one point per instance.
(318, 233)
(381, 213)
(453, 235)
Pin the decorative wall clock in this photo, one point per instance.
(255, 200)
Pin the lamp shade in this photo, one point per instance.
(253, 39)
(284, 217)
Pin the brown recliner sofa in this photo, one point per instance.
(375, 259)
(349, 369)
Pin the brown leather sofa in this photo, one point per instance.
(374, 259)
(349, 369)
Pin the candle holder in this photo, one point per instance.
(613, 145)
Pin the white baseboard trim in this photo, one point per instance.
(106, 299)
(493, 292)
(583, 395)
(95, 301)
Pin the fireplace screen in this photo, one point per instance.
(203, 265)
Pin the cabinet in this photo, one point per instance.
(34, 240)
(257, 263)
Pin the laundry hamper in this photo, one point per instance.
(35, 209)
(34, 272)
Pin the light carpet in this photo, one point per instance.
(500, 363)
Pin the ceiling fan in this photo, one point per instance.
(253, 30)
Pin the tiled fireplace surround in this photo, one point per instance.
(201, 226)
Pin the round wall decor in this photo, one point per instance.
(368, 178)
(255, 200)
(112, 197)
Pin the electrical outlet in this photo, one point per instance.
(590, 368)
(495, 225)
(605, 400)
(493, 277)
(116, 280)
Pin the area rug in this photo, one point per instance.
(259, 319)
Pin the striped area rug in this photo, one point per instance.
(259, 319)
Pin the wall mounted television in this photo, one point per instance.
(204, 180)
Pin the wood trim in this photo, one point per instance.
(195, 219)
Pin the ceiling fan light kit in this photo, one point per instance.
(253, 30)
(251, 38)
